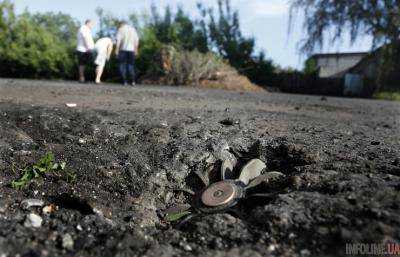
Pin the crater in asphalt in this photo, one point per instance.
(337, 186)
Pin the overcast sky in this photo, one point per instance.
(266, 20)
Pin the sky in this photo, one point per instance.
(266, 20)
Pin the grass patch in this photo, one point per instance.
(388, 95)
(176, 216)
(44, 165)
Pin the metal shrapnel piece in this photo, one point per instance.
(251, 171)
(227, 168)
(218, 194)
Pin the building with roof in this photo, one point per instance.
(335, 65)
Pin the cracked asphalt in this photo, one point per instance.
(130, 149)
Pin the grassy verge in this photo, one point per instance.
(388, 95)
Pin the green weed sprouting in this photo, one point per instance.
(176, 216)
(44, 165)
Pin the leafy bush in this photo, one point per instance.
(388, 95)
(190, 67)
(41, 45)
(32, 46)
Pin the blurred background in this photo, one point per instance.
(335, 48)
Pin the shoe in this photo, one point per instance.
(133, 84)
(125, 83)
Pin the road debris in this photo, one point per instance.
(224, 195)
(28, 203)
(49, 209)
(33, 221)
(67, 242)
(71, 105)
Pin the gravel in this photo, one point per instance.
(128, 160)
(33, 221)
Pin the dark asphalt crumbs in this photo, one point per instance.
(131, 153)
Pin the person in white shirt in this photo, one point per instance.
(85, 47)
(103, 50)
(126, 49)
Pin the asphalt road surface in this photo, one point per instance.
(131, 153)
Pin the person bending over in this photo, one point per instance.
(126, 50)
(103, 49)
(85, 47)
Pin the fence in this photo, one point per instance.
(296, 82)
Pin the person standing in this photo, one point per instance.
(85, 47)
(126, 49)
(103, 49)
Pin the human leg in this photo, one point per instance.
(131, 67)
(100, 62)
(81, 69)
(123, 66)
(99, 73)
(82, 73)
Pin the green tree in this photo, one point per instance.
(379, 19)
(225, 35)
(178, 29)
(7, 18)
(108, 24)
(310, 66)
(63, 26)
(32, 47)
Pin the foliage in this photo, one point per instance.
(310, 66)
(177, 30)
(176, 216)
(44, 165)
(62, 26)
(388, 95)
(226, 36)
(378, 19)
(190, 67)
(108, 24)
(36, 46)
(42, 45)
(7, 15)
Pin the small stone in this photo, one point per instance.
(49, 209)
(28, 203)
(323, 231)
(79, 227)
(71, 105)
(296, 182)
(305, 253)
(375, 143)
(271, 248)
(67, 242)
(187, 248)
(33, 221)
(82, 141)
(3, 207)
